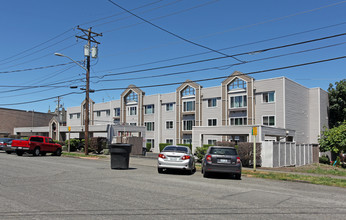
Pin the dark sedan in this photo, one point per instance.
(221, 159)
(5, 144)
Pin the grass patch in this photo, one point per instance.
(320, 180)
(322, 169)
(66, 154)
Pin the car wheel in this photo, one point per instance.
(58, 152)
(159, 170)
(205, 174)
(43, 153)
(9, 152)
(36, 152)
(238, 176)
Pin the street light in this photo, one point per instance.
(86, 145)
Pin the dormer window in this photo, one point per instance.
(132, 97)
(237, 84)
(188, 91)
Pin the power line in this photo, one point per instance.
(231, 47)
(176, 83)
(114, 15)
(22, 52)
(35, 68)
(173, 34)
(222, 77)
(217, 58)
(152, 9)
(219, 67)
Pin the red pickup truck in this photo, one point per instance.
(36, 145)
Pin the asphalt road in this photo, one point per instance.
(70, 188)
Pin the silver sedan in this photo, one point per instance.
(176, 157)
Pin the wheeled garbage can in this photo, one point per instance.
(120, 155)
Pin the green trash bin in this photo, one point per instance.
(120, 155)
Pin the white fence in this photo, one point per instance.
(280, 154)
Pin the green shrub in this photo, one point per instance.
(200, 152)
(148, 145)
(75, 144)
(245, 151)
(64, 148)
(324, 159)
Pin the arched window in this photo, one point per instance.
(188, 91)
(132, 97)
(237, 84)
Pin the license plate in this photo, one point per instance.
(173, 158)
(20, 148)
(223, 161)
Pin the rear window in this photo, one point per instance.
(175, 149)
(36, 139)
(223, 151)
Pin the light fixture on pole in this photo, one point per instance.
(86, 112)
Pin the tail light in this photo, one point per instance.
(208, 158)
(5, 144)
(186, 157)
(238, 159)
(162, 156)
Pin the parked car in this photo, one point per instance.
(176, 157)
(4, 142)
(221, 159)
(36, 145)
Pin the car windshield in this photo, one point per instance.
(4, 140)
(175, 149)
(223, 151)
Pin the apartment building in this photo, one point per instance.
(282, 109)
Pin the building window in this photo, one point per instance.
(117, 112)
(133, 124)
(169, 124)
(269, 120)
(132, 97)
(188, 91)
(149, 109)
(78, 115)
(149, 126)
(212, 102)
(108, 112)
(116, 121)
(238, 101)
(268, 97)
(189, 106)
(188, 124)
(98, 113)
(238, 121)
(169, 141)
(237, 84)
(169, 107)
(71, 116)
(132, 110)
(212, 122)
(186, 141)
(212, 142)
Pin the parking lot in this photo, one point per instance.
(71, 188)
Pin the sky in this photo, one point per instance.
(165, 44)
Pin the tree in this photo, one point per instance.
(334, 139)
(337, 103)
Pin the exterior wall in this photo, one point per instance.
(295, 107)
(12, 118)
(275, 108)
(168, 116)
(297, 110)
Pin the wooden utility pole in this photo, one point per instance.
(89, 37)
